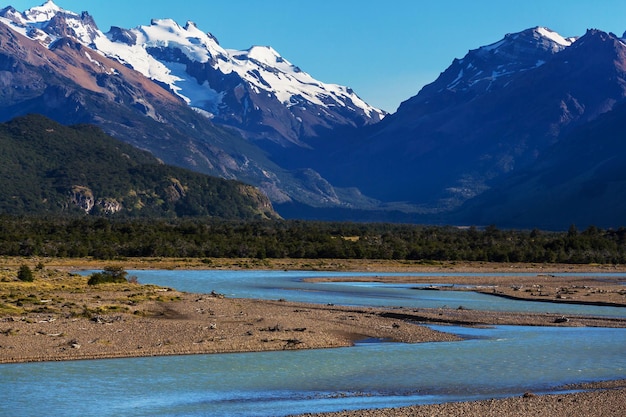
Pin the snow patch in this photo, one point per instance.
(554, 37)
(203, 112)
(456, 81)
(493, 45)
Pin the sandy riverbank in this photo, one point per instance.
(191, 324)
(586, 287)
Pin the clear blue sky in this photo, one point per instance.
(385, 50)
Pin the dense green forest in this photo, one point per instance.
(110, 238)
(48, 168)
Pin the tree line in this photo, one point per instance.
(110, 238)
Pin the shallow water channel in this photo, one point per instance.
(494, 362)
(291, 285)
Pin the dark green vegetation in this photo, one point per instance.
(48, 168)
(110, 275)
(25, 274)
(108, 238)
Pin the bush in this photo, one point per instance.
(25, 274)
(110, 275)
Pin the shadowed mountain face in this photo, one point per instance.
(581, 180)
(491, 114)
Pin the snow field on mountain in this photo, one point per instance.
(260, 66)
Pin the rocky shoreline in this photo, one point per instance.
(604, 399)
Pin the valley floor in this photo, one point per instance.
(60, 317)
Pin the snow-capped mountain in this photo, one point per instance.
(48, 23)
(255, 90)
(58, 63)
(491, 67)
(489, 115)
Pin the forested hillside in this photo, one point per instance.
(48, 168)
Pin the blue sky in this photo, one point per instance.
(385, 50)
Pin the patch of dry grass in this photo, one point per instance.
(69, 264)
(61, 293)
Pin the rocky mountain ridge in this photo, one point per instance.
(256, 91)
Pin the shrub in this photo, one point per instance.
(110, 275)
(25, 274)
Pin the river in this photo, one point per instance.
(490, 362)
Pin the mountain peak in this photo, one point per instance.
(489, 67)
(600, 35)
(598, 40)
(196, 45)
(192, 29)
(537, 37)
(264, 54)
(12, 15)
(168, 24)
(49, 22)
(45, 12)
(601, 48)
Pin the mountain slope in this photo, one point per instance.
(491, 113)
(73, 84)
(48, 168)
(581, 180)
(256, 90)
